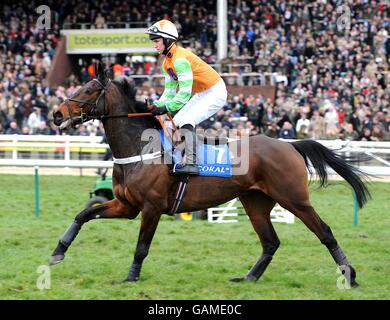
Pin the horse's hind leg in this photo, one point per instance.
(311, 219)
(149, 222)
(258, 206)
(110, 209)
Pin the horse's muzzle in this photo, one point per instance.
(58, 118)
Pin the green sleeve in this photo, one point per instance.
(185, 80)
(169, 90)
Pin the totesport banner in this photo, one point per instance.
(107, 41)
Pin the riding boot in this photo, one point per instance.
(190, 166)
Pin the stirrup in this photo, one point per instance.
(190, 169)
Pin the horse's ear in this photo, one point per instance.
(129, 87)
(108, 74)
(95, 68)
(99, 71)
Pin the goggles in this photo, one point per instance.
(153, 29)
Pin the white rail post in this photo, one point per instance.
(15, 149)
(67, 152)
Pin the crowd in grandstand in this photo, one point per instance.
(332, 75)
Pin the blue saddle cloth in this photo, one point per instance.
(213, 161)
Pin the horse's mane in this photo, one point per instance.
(127, 87)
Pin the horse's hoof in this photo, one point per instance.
(56, 259)
(246, 278)
(354, 284)
(118, 282)
(131, 279)
(237, 279)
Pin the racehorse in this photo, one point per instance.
(277, 173)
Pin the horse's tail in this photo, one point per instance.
(320, 156)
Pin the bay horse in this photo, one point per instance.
(277, 173)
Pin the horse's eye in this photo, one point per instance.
(88, 91)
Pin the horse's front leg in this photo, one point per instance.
(149, 222)
(110, 209)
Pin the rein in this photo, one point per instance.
(128, 115)
(85, 116)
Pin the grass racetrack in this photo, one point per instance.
(187, 259)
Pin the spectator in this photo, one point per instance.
(269, 117)
(25, 130)
(82, 131)
(366, 135)
(347, 132)
(331, 118)
(272, 130)
(378, 134)
(287, 131)
(355, 121)
(99, 21)
(43, 129)
(34, 120)
(13, 128)
(302, 133)
(303, 121)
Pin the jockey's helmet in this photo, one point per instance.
(163, 29)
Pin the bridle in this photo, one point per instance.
(90, 113)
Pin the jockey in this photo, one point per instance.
(193, 89)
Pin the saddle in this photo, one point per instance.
(174, 135)
(214, 157)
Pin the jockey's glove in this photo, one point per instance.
(157, 111)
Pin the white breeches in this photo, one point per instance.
(202, 105)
